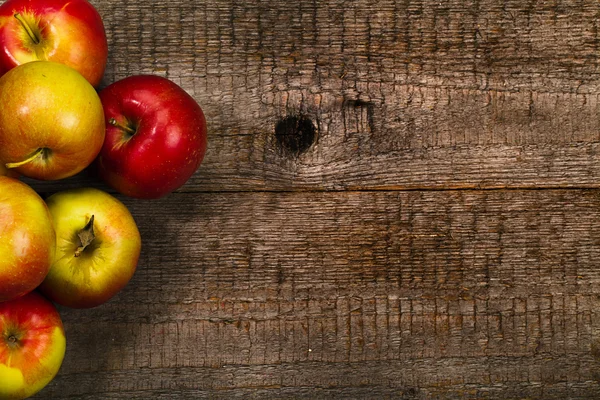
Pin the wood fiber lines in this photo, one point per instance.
(399, 200)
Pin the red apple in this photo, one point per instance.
(32, 345)
(98, 247)
(155, 136)
(27, 239)
(69, 32)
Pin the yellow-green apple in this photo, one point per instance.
(97, 250)
(51, 120)
(70, 32)
(155, 136)
(27, 239)
(32, 345)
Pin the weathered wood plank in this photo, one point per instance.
(414, 294)
(403, 94)
(255, 283)
(505, 377)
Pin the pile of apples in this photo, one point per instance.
(143, 135)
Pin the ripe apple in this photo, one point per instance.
(32, 345)
(155, 136)
(97, 250)
(27, 239)
(69, 32)
(51, 121)
(6, 172)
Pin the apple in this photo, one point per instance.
(97, 250)
(69, 32)
(51, 121)
(32, 345)
(6, 172)
(155, 136)
(27, 239)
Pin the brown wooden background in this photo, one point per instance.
(436, 235)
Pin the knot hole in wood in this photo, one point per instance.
(295, 134)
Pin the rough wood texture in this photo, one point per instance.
(443, 293)
(436, 236)
(404, 95)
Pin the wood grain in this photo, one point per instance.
(439, 236)
(350, 295)
(404, 94)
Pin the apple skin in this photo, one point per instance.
(49, 107)
(107, 263)
(27, 239)
(169, 142)
(7, 172)
(71, 33)
(32, 345)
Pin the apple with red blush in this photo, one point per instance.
(32, 345)
(155, 136)
(69, 32)
(27, 239)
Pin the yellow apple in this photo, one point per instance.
(97, 250)
(51, 121)
(3, 170)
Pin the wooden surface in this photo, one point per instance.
(400, 200)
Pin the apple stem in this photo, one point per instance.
(39, 152)
(125, 128)
(12, 339)
(86, 236)
(27, 28)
